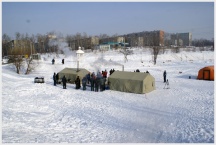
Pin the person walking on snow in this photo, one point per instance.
(57, 78)
(54, 78)
(84, 81)
(77, 82)
(164, 75)
(88, 77)
(64, 80)
(92, 81)
(53, 61)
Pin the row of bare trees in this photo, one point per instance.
(27, 45)
(20, 49)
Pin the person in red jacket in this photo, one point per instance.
(105, 74)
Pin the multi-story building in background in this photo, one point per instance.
(181, 39)
(84, 43)
(146, 38)
(137, 39)
(115, 39)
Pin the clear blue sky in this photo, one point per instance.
(110, 18)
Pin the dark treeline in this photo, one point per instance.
(202, 42)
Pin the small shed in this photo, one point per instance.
(72, 73)
(36, 56)
(206, 73)
(132, 82)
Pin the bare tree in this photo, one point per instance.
(6, 45)
(155, 51)
(21, 52)
(78, 38)
(101, 36)
(154, 43)
(17, 59)
(125, 51)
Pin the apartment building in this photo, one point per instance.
(117, 39)
(85, 43)
(181, 39)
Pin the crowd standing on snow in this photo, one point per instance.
(95, 81)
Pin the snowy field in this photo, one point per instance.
(43, 113)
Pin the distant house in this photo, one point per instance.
(111, 45)
(103, 47)
(36, 56)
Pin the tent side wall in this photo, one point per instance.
(132, 82)
(212, 74)
(71, 74)
(68, 75)
(114, 84)
(123, 85)
(149, 84)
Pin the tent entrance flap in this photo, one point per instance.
(206, 75)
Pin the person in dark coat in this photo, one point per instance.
(88, 78)
(110, 72)
(77, 82)
(63, 61)
(57, 78)
(137, 70)
(102, 84)
(105, 73)
(53, 61)
(64, 80)
(54, 78)
(97, 83)
(164, 75)
(92, 81)
(84, 81)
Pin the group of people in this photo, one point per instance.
(112, 71)
(95, 81)
(53, 61)
(55, 78)
(98, 81)
(137, 70)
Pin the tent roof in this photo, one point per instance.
(73, 71)
(208, 67)
(129, 75)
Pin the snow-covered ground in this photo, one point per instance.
(43, 113)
